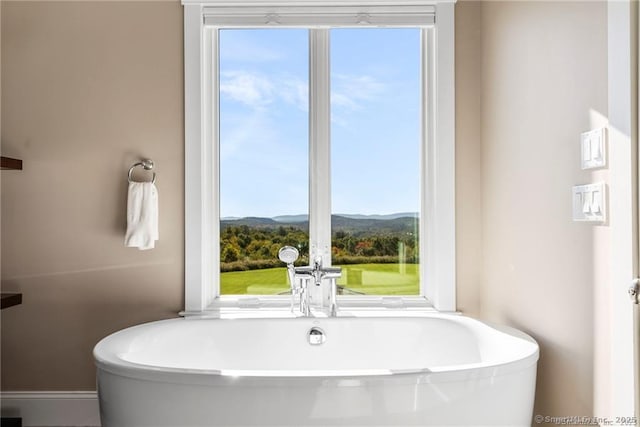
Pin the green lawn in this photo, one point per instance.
(371, 279)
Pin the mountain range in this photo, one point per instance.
(404, 222)
(304, 217)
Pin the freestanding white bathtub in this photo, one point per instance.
(416, 370)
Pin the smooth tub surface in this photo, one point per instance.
(420, 370)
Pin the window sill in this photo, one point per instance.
(280, 307)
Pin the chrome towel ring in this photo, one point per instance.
(147, 164)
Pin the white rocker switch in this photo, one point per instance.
(592, 148)
(589, 202)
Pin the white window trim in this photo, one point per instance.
(202, 258)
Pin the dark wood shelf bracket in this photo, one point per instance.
(10, 299)
(7, 163)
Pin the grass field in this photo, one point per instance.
(371, 279)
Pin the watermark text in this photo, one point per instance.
(581, 420)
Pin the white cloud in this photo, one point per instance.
(250, 89)
(342, 100)
(296, 92)
(257, 90)
(350, 91)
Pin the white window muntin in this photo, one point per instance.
(202, 228)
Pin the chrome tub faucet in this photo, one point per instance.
(300, 278)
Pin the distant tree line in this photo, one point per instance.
(245, 247)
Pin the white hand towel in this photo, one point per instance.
(142, 215)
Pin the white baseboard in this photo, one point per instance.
(52, 408)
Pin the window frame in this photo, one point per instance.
(202, 220)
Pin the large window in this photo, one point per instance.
(326, 128)
(375, 144)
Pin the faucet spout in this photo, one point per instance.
(328, 275)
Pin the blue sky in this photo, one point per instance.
(375, 107)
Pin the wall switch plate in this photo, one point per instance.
(590, 202)
(593, 146)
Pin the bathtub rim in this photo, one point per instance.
(108, 360)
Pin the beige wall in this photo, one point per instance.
(468, 156)
(88, 88)
(544, 81)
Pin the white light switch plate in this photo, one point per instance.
(590, 202)
(593, 148)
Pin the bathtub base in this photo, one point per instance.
(398, 400)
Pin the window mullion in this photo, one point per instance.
(320, 147)
(427, 193)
